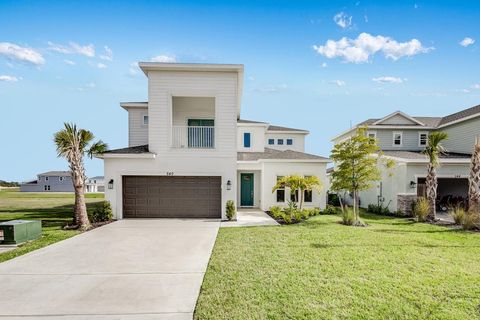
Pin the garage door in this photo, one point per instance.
(171, 197)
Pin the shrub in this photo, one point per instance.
(378, 209)
(458, 214)
(421, 209)
(471, 220)
(276, 212)
(230, 209)
(329, 209)
(101, 213)
(348, 218)
(333, 200)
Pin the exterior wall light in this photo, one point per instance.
(110, 184)
(229, 185)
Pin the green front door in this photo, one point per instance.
(246, 186)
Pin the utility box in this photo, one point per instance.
(19, 231)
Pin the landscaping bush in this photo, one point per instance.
(230, 209)
(330, 209)
(458, 214)
(378, 209)
(101, 213)
(276, 212)
(291, 214)
(421, 209)
(471, 220)
(333, 200)
(348, 218)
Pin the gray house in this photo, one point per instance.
(402, 138)
(51, 181)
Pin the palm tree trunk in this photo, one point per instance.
(474, 179)
(431, 185)
(300, 194)
(80, 209)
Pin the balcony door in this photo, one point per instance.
(201, 133)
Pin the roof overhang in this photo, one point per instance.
(134, 105)
(199, 67)
(400, 113)
(458, 121)
(373, 127)
(425, 161)
(289, 131)
(286, 160)
(126, 156)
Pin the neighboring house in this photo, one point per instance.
(189, 152)
(403, 138)
(95, 184)
(51, 181)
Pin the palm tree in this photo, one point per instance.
(474, 179)
(298, 185)
(73, 144)
(433, 150)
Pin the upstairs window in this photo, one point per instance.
(372, 135)
(145, 120)
(60, 178)
(397, 139)
(246, 140)
(422, 139)
(280, 142)
(46, 178)
(289, 142)
(271, 141)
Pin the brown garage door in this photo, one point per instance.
(171, 197)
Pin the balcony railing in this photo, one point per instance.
(194, 137)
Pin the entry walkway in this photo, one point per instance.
(249, 218)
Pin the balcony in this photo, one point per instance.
(193, 137)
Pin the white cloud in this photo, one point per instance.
(324, 65)
(69, 62)
(21, 54)
(164, 58)
(90, 85)
(360, 50)
(342, 20)
(9, 78)
(388, 79)
(108, 55)
(73, 48)
(339, 83)
(475, 86)
(467, 41)
(101, 66)
(272, 88)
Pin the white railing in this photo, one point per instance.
(197, 137)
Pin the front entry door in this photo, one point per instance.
(246, 194)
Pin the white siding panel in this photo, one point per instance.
(137, 131)
(298, 141)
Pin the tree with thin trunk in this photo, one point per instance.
(357, 160)
(474, 178)
(433, 150)
(297, 185)
(74, 144)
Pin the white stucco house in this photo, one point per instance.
(402, 138)
(95, 184)
(189, 151)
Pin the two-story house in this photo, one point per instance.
(403, 138)
(189, 152)
(51, 181)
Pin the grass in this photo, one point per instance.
(320, 269)
(54, 209)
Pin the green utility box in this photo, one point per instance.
(18, 231)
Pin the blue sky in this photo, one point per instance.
(65, 61)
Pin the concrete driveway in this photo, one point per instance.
(130, 269)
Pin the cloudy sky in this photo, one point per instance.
(316, 65)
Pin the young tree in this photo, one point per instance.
(297, 185)
(357, 161)
(73, 144)
(474, 179)
(433, 150)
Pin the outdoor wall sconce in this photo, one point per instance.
(229, 185)
(413, 184)
(110, 184)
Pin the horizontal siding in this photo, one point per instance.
(221, 85)
(461, 136)
(137, 131)
(410, 139)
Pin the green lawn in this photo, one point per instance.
(54, 209)
(320, 269)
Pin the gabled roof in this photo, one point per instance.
(129, 150)
(56, 173)
(249, 121)
(461, 115)
(273, 154)
(279, 128)
(399, 113)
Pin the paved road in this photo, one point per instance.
(130, 269)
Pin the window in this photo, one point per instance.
(289, 142)
(397, 138)
(61, 178)
(307, 196)
(145, 120)
(271, 141)
(280, 141)
(46, 178)
(372, 135)
(422, 139)
(280, 192)
(246, 139)
(46, 188)
(294, 196)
